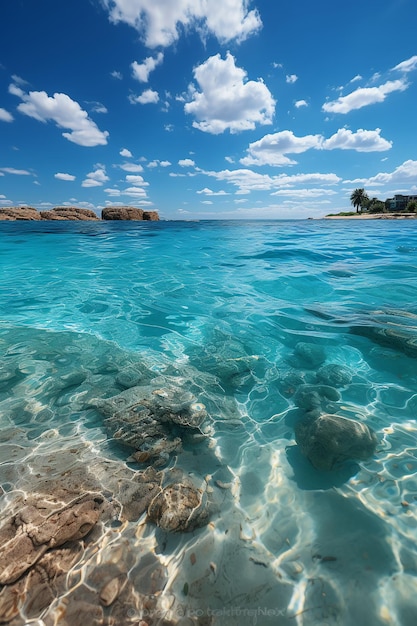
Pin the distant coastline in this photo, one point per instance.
(372, 216)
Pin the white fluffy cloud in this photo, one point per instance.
(364, 96)
(5, 116)
(131, 167)
(209, 192)
(246, 180)
(226, 99)
(407, 66)
(63, 176)
(136, 180)
(300, 103)
(97, 178)
(149, 96)
(142, 70)
(406, 173)
(186, 163)
(361, 141)
(157, 162)
(291, 78)
(273, 149)
(160, 23)
(65, 112)
(135, 192)
(124, 152)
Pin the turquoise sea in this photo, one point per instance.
(251, 328)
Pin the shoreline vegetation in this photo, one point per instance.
(398, 207)
(370, 216)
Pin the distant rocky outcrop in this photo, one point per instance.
(69, 213)
(72, 213)
(128, 213)
(121, 213)
(151, 216)
(14, 213)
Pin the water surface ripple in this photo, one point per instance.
(266, 324)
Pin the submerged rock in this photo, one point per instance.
(334, 375)
(180, 507)
(331, 439)
(152, 420)
(310, 354)
(38, 527)
(314, 399)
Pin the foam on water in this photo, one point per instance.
(260, 324)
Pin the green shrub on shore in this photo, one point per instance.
(342, 213)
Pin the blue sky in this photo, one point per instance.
(207, 108)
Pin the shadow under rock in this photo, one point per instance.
(308, 478)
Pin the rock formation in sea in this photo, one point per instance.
(72, 213)
(128, 213)
(332, 439)
(69, 213)
(14, 213)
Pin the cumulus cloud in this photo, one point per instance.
(157, 162)
(135, 192)
(361, 141)
(5, 116)
(160, 23)
(131, 167)
(124, 152)
(291, 78)
(97, 178)
(63, 176)
(273, 149)
(403, 174)
(149, 96)
(226, 99)
(247, 180)
(364, 96)
(142, 70)
(186, 163)
(136, 180)
(406, 66)
(65, 112)
(117, 75)
(300, 103)
(209, 192)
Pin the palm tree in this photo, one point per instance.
(359, 198)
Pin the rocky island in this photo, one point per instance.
(73, 213)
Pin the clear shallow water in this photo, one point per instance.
(221, 309)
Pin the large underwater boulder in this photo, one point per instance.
(180, 506)
(331, 439)
(152, 420)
